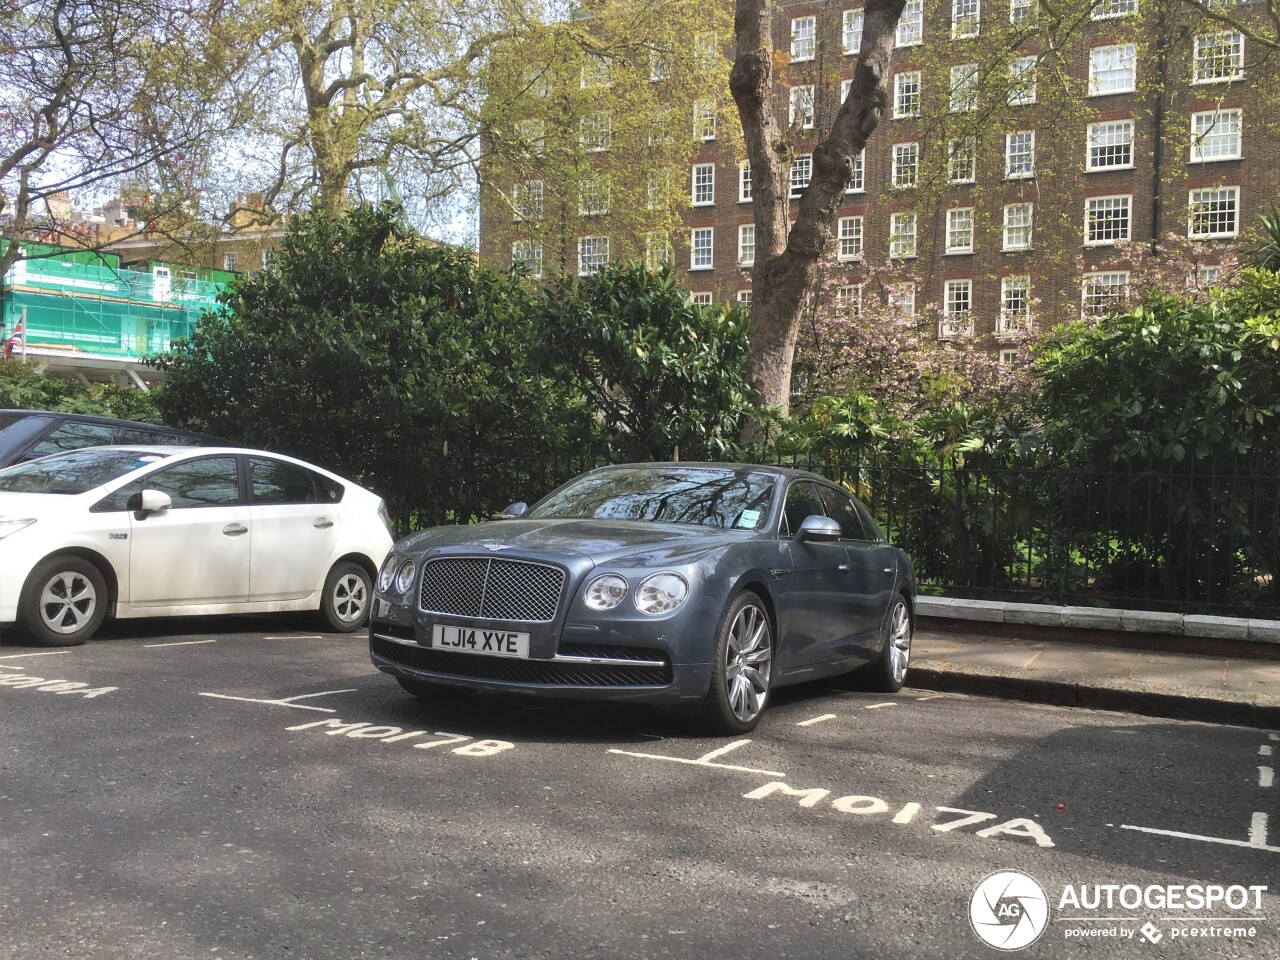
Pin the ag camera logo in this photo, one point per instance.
(1009, 910)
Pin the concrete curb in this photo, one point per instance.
(1099, 618)
(1096, 694)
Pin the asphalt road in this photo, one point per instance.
(249, 788)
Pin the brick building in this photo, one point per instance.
(1018, 174)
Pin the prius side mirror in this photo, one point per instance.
(150, 501)
(515, 511)
(818, 529)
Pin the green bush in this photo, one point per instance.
(21, 387)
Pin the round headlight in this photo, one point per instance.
(387, 573)
(605, 593)
(404, 579)
(661, 593)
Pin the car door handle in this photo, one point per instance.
(322, 523)
(235, 529)
(843, 568)
(777, 572)
(888, 571)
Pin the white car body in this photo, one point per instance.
(196, 559)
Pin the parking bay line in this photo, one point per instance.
(1266, 776)
(286, 701)
(1257, 835)
(706, 760)
(810, 723)
(297, 636)
(49, 653)
(180, 643)
(877, 706)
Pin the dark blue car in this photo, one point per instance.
(701, 584)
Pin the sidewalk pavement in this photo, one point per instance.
(1179, 685)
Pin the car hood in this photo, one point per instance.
(601, 541)
(33, 504)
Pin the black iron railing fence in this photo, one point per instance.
(1187, 537)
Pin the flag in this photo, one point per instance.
(15, 340)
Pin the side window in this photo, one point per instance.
(330, 490)
(802, 501)
(873, 529)
(212, 482)
(154, 438)
(275, 481)
(841, 509)
(70, 436)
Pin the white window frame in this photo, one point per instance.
(1022, 81)
(960, 229)
(804, 38)
(702, 185)
(743, 297)
(704, 120)
(858, 182)
(962, 91)
(1116, 281)
(902, 235)
(1117, 60)
(910, 31)
(1203, 131)
(1019, 230)
(1110, 9)
(1109, 135)
(955, 322)
(1019, 136)
(962, 150)
(1010, 357)
(746, 244)
(1020, 11)
(230, 262)
(801, 174)
(849, 239)
(697, 248)
(1014, 319)
(744, 183)
(596, 73)
(851, 31)
(1199, 197)
(528, 252)
(801, 98)
(966, 18)
(1091, 220)
(901, 297)
(849, 297)
(595, 196)
(1202, 49)
(600, 251)
(899, 166)
(597, 132)
(527, 200)
(908, 93)
(701, 298)
(657, 249)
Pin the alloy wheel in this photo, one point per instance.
(67, 602)
(350, 597)
(899, 642)
(748, 659)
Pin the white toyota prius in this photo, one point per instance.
(142, 531)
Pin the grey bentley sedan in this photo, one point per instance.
(697, 584)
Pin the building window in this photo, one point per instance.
(802, 38)
(593, 197)
(1021, 11)
(704, 120)
(593, 254)
(849, 299)
(532, 135)
(801, 106)
(964, 88)
(704, 184)
(1022, 82)
(962, 160)
(701, 298)
(957, 304)
(597, 132)
(851, 35)
(1106, 9)
(655, 188)
(1020, 154)
(1103, 292)
(230, 261)
(264, 259)
(857, 182)
(744, 183)
(906, 94)
(1010, 358)
(906, 164)
(1015, 305)
(526, 200)
(744, 298)
(527, 254)
(801, 172)
(657, 249)
(701, 248)
(595, 73)
(960, 230)
(659, 62)
(1215, 135)
(1218, 57)
(901, 299)
(1214, 212)
(902, 235)
(1113, 69)
(1207, 276)
(1107, 220)
(746, 244)
(911, 24)
(1018, 218)
(1110, 145)
(705, 50)
(849, 237)
(965, 18)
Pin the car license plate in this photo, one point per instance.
(494, 643)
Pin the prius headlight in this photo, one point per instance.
(404, 577)
(387, 573)
(605, 593)
(661, 593)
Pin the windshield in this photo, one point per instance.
(702, 496)
(74, 472)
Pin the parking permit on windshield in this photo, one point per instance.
(748, 518)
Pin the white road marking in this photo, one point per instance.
(877, 706)
(1195, 836)
(721, 751)
(51, 653)
(1273, 736)
(1258, 830)
(181, 643)
(6, 667)
(297, 636)
(1264, 751)
(1034, 658)
(936, 696)
(1266, 776)
(285, 702)
(810, 723)
(700, 762)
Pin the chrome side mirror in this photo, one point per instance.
(515, 511)
(818, 529)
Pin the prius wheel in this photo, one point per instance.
(889, 672)
(346, 601)
(64, 601)
(742, 670)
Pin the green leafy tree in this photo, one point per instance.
(22, 387)
(664, 375)
(369, 350)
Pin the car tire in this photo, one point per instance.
(741, 671)
(438, 692)
(888, 672)
(347, 598)
(64, 601)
